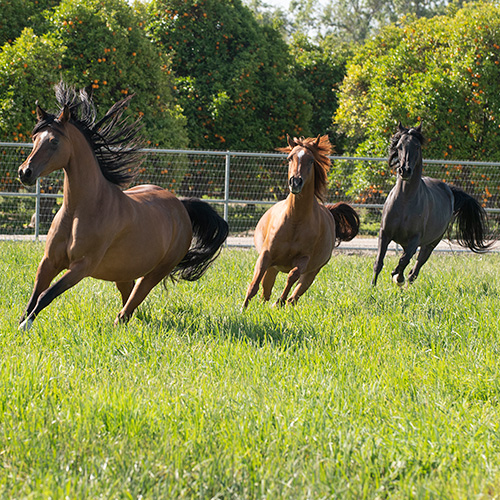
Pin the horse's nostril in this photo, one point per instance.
(25, 173)
(295, 184)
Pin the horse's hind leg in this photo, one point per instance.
(422, 258)
(141, 290)
(125, 288)
(304, 283)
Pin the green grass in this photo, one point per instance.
(355, 393)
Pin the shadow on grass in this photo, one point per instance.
(188, 321)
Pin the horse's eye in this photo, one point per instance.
(54, 141)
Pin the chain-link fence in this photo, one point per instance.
(241, 186)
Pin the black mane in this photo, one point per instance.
(113, 138)
(393, 152)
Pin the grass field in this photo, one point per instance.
(355, 393)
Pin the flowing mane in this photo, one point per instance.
(393, 151)
(320, 149)
(113, 138)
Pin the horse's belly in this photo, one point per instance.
(155, 239)
(127, 263)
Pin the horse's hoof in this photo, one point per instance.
(25, 325)
(395, 278)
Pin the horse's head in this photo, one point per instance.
(51, 146)
(300, 164)
(406, 151)
(308, 162)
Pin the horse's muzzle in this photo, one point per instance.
(26, 176)
(405, 173)
(295, 184)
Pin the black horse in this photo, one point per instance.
(419, 210)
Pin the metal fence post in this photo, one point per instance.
(226, 187)
(37, 207)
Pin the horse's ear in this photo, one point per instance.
(65, 115)
(401, 128)
(419, 128)
(291, 142)
(40, 113)
(316, 142)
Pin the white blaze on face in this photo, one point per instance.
(300, 154)
(43, 135)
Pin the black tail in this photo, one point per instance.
(210, 231)
(346, 221)
(470, 221)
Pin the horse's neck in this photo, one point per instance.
(410, 188)
(83, 180)
(301, 205)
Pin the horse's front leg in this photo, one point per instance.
(383, 244)
(261, 267)
(408, 252)
(77, 271)
(46, 272)
(294, 275)
(268, 282)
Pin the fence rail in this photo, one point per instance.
(241, 185)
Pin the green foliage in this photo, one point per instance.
(321, 67)
(20, 14)
(95, 44)
(443, 71)
(355, 393)
(233, 80)
(28, 69)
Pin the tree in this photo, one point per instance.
(98, 44)
(320, 66)
(233, 79)
(20, 14)
(28, 68)
(442, 71)
(354, 21)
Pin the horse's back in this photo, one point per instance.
(440, 191)
(426, 214)
(440, 200)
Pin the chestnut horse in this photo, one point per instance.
(144, 233)
(297, 235)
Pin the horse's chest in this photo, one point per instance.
(291, 240)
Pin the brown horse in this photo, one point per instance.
(297, 235)
(142, 234)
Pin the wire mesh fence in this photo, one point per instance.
(241, 186)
